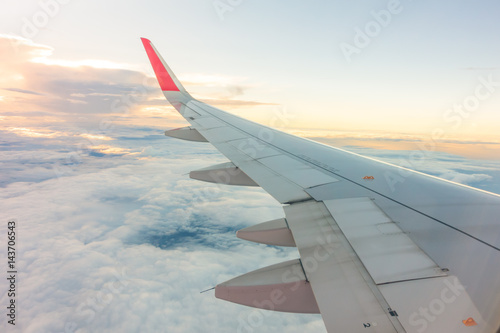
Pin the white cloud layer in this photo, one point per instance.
(126, 243)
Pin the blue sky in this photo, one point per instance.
(114, 236)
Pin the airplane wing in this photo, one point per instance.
(382, 248)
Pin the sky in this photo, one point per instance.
(112, 233)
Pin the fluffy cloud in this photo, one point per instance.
(466, 178)
(126, 243)
(38, 89)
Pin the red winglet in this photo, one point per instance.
(164, 78)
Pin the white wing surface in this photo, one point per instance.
(382, 248)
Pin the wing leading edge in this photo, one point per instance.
(381, 247)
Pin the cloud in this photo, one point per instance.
(219, 90)
(93, 94)
(127, 243)
(480, 68)
(22, 91)
(68, 89)
(233, 102)
(17, 50)
(466, 178)
(477, 149)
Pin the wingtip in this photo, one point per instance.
(165, 79)
(145, 41)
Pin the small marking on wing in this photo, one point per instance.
(368, 325)
(469, 322)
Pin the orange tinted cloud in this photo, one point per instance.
(37, 90)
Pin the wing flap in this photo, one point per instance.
(385, 250)
(347, 297)
(444, 306)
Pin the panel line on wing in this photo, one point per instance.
(408, 280)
